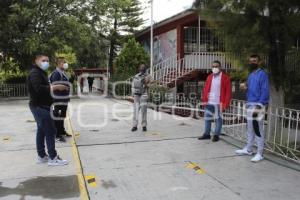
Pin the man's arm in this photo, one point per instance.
(36, 82)
(55, 76)
(149, 80)
(228, 93)
(265, 89)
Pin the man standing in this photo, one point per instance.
(140, 86)
(216, 97)
(257, 98)
(90, 83)
(40, 106)
(61, 98)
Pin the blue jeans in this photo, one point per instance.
(45, 131)
(212, 112)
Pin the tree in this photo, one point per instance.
(132, 21)
(131, 56)
(267, 27)
(118, 19)
(50, 26)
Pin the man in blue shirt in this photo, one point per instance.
(257, 98)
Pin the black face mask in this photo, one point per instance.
(253, 66)
(143, 71)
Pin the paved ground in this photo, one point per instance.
(20, 177)
(165, 163)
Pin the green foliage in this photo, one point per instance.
(81, 30)
(265, 27)
(157, 94)
(239, 75)
(131, 56)
(118, 20)
(11, 73)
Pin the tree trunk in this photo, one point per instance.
(276, 95)
(277, 53)
(113, 41)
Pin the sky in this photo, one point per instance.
(164, 9)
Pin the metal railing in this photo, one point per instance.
(171, 71)
(202, 39)
(13, 90)
(281, 127)
(292, 61)
(160, 68)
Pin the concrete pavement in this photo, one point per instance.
(20, 177)
(167, 162)
(156, 164)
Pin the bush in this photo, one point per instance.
(11, 73)
(127, 63)
(157, 94)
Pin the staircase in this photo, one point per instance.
(174, 71)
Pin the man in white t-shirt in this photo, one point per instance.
(216, 97)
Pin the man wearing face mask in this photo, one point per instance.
(257, 88)
(216, 97)
(40, 106)
(61, 98)
(140, 86)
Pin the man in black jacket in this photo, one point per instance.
(40, 106)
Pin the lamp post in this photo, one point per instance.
(151, 40)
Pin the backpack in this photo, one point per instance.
(138, 84)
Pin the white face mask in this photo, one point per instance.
(44, 65)
(66, 66)
(215, 70)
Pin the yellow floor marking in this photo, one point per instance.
(6, 139)
(91, 180)
(158, 134)
(77, 134)
(81, 181)
(195, 167)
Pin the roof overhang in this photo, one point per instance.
(167, 21)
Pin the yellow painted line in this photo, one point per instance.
(6, 139)
(195, 167)
(91, 180)
(158, 134)
(81, 179)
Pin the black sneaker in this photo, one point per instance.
(144, 129)
(60, 139)
(204, 137)
(215, 138)
(66, 134)
(134, 129)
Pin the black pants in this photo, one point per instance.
(60, 111)
(90, 87)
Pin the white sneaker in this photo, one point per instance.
(57, 161)
(257, 158)
(41, 160)
(243, 152)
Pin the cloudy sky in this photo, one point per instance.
(164, 9)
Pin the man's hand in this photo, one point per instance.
(59, 87)
(243, 86)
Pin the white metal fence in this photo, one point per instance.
(13, 90)
(172, 69)
(281, 127)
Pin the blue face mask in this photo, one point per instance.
(44, 66)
